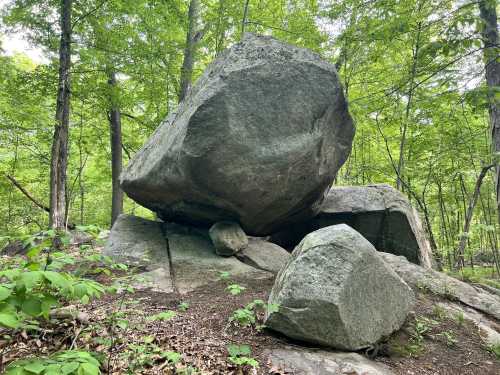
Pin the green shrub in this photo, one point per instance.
(71, 362)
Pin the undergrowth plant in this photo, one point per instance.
(241, 355)
(249, 315)
(71, 362)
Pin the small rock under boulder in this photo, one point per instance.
(228, 238)
(382, 214)
(336, 291)
(258, 140)
(264, 255)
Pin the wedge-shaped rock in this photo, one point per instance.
(264, 255)
(258, 140)
(337, 291)
(383, 215)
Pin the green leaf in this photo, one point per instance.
(32, 306)
(9, 320)
(4, 292)
(88, 369)
(69, 367)
(36, 367)
(29, 279)
(57, 280)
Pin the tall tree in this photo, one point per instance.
(488, 14)
(190, 49)
(115, 128)
(59, 153)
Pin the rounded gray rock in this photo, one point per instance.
(258, 140)
(228, 238)
(337, 291)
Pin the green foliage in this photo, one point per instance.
(494, 349)
(240, 355)
(165, 315)
(248, 316)
(235, 289)
(32, 294)
(450, 338)
(183, 306)
(70, 362)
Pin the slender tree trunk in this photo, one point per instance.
(59, 152)
(189, 51)
(245, 16)
(116, 150)
(488, 14)
(402, 143)
(468, 216)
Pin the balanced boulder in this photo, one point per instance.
(258, 140)
(337, 291)
(383, 215)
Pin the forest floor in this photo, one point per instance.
(137, 331)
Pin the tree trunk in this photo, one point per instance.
(189, 51)
(116, 150)
(59, 152)
(244, 19)
(468, 216)
(488, 14)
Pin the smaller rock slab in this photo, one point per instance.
(137, 241)
(444, 285)
(302, 361)
(264, 255)
(336, 291)
(195, 263)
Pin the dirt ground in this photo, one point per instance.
(119, 327)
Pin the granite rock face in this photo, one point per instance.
(258, 140)
(336, 291)
(383, 215)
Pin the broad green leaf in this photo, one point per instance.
(32, 306)
(69, 367)
(36, 367)
(4, 292)
(88, 369)
(9, 320)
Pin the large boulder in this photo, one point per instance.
(337, 291)
(258, 140)
(382, 214)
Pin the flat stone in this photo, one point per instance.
(137, 241)
(302, 361)
(195, 263)
(264, 255)
(444, 285)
